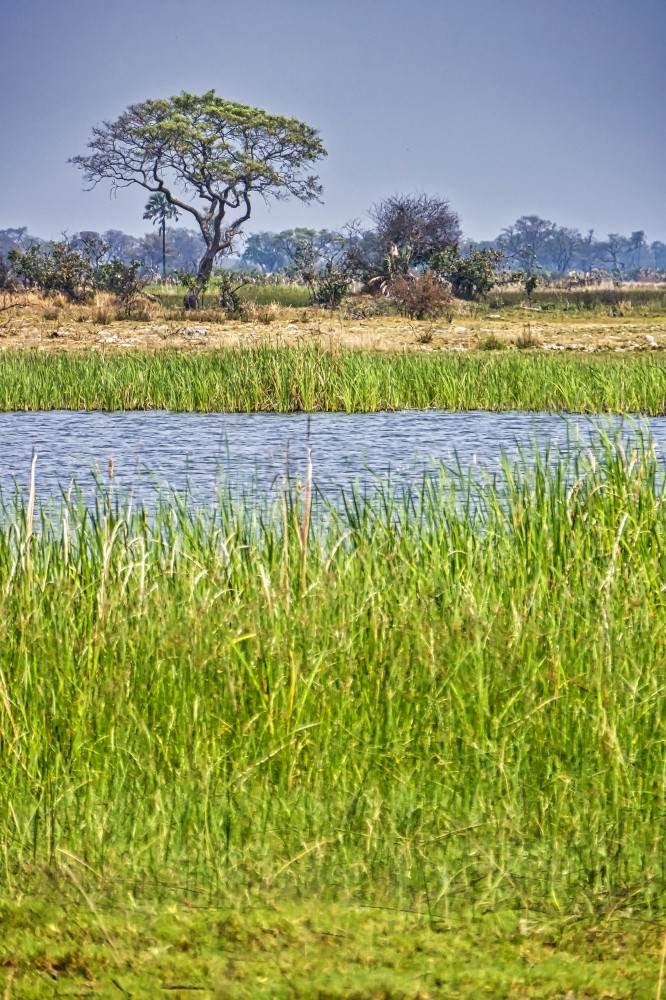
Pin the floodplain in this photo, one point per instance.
(412, 748)
(624, 320)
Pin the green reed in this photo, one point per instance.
(284, 379)
(455, 693)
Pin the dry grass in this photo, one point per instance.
(34, 321)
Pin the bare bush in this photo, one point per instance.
(413, 228)
(420, 297)
(526, 340)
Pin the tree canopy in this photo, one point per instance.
(208, 157)
(412, 227)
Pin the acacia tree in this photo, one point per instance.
(561, 247)
(275, 251)
(637, 244)
(209, 157)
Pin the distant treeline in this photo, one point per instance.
(184, 247)
(530, 243)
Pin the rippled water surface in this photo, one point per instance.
(157, 450)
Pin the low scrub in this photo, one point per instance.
(491, 343)
(420, 297)
(75, 273)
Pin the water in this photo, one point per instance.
(156, 450)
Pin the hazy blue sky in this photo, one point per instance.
(506, 107)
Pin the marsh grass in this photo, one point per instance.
(625, 301)
(286, 295)
(284, 379)
(454, 693)
(294, 296)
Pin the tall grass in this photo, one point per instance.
(625, 301)
(429, 694)
(289, 379)
(297, 296)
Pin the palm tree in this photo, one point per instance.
(159, 209)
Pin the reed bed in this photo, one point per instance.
(454, 693)
(285, 379)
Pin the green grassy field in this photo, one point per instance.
(289, 379)
(56, 945)
(627, 301)
(447, 704)
(171, 296)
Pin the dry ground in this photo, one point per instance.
(46, 326)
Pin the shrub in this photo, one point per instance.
(229, 287)
(250, 312)
(102, 316)
(531, 282)
(424, 337)
(122, 280)
(420, 297)
(491, 343)
(327, 270)
(8, 281)
(470, 277)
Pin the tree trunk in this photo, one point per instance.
(164, 248)
(193, 298)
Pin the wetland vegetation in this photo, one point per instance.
(258, 757)
(447, 702)
(309, 378)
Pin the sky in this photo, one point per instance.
(504, 107)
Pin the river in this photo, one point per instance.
(153, 451)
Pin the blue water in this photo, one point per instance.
(155, 450)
